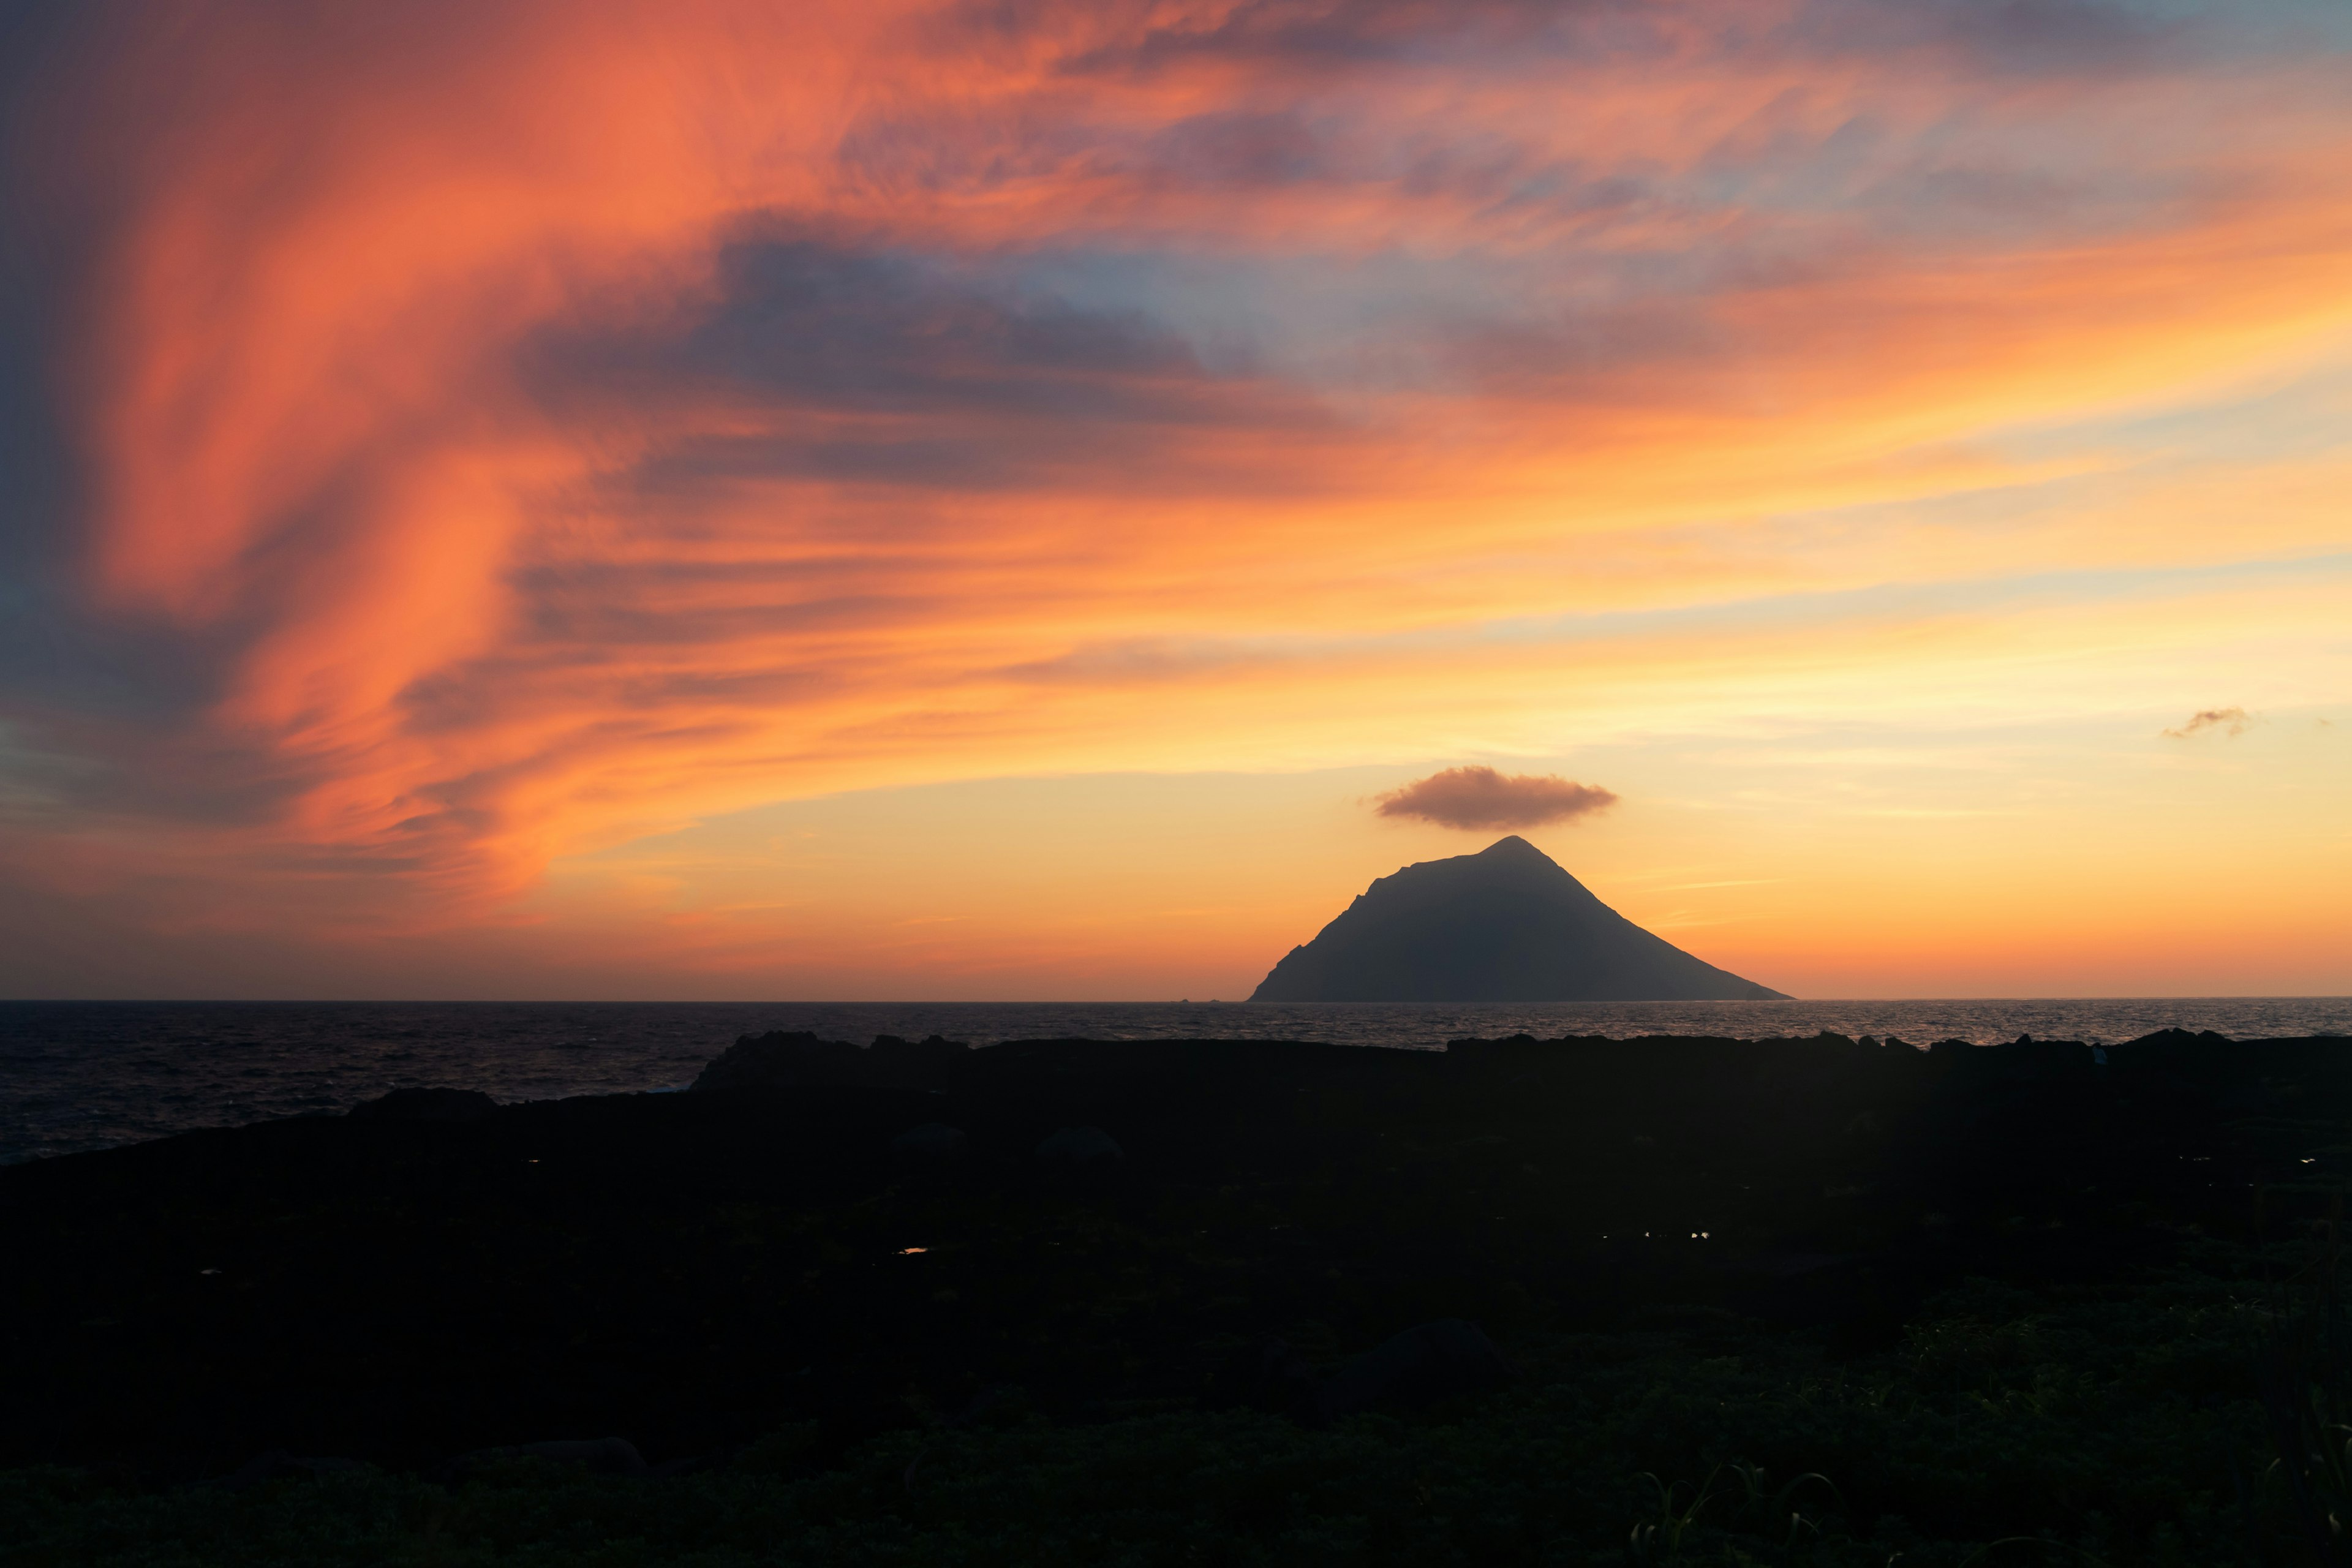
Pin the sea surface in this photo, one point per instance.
(90, 1075)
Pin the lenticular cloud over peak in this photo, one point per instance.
(1481, 799)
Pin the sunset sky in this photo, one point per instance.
(980, 499)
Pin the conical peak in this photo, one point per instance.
(1516, 855)
(1506, 923)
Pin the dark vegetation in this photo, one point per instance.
(1815, 1301)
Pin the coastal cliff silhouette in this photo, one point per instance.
(1507, 925)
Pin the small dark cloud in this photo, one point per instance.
(1482, 798)
(2229, 720)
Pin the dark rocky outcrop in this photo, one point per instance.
(1507, 925)
(1080, 1146)
(427, 1105)
(800, 1060)
(1449, 1359)
(934, 1143)
(277, 1465)
(1269, 1375)
(698, 1270)
(598, 1455)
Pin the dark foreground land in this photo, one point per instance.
(1818, 1301)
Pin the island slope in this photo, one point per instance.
(1507, 925)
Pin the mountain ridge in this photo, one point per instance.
(1505, 925)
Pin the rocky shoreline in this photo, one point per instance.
(851, 1241)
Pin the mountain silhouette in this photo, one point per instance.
(1507, 925)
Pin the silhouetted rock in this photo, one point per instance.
(2254, 1098)
(799, 1059)
(599, 1455)
(1507, 925)
(1270, 1375)
(427, 1105)
(2023, 1060)
(2182, 1038)
(1448, 1359)
(916, 1064)
(277, 1465)
(781, 1060)
(1081, 1146)
(694, 1270)
(933, 1143)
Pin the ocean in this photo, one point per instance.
(90, 1075)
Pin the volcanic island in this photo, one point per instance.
(1507, 925)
